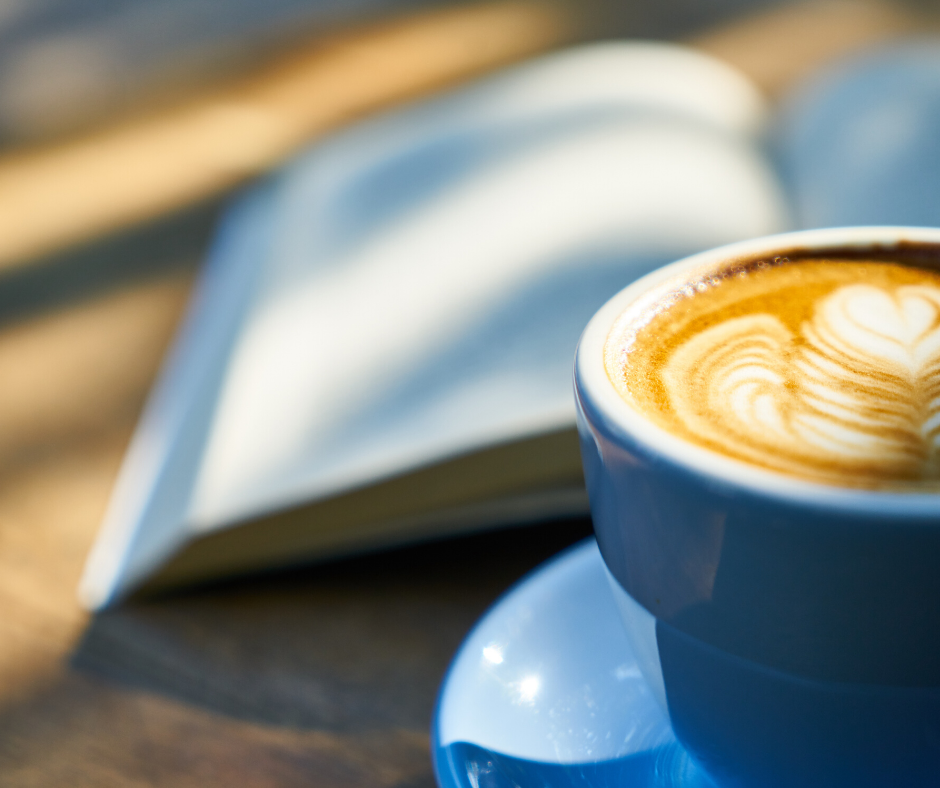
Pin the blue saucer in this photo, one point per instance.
(546, 692)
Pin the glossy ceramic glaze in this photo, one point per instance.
(811, 612)
(546, 691)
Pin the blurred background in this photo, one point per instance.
(69, 67)
(125, 127)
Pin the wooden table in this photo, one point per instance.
(321, 676)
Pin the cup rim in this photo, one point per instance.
(626, 423)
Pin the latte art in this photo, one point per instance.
(829, 371)
(858, 386)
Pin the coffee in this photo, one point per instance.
(824, 366)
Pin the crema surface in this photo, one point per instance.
(826, 369)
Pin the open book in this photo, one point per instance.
(379, 349)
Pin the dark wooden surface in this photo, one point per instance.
(324, 676)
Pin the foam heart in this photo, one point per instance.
(870, 324)
(856, 391)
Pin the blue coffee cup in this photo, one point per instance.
(790, 628)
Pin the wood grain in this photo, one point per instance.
(324, 676)
(171, 693)
(72, 384)
(71, 191)
(778, 48)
